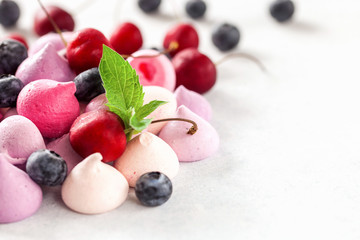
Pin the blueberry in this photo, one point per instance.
(12, 53)
(88, 85)
(225, 36)
(10, 87)
(149, 6)
(282, 10)
(9, 13)
(195, 8)
(153, 188)
(46, 167)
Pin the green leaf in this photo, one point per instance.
(120, 81)
(124, 92)
(139, 124)
(145, 110)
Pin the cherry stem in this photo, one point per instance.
(172, 47)
(191, 131)
(57, 29)
(242, 55)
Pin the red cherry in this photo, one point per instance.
(126, 38)
(98, 131)
(194, 70)
(17, 37)
(184, 34)
(85, 50)
(63, 19)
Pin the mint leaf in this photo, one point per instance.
(139, 124)
(124, 92)
(145, 110)
(121, 83)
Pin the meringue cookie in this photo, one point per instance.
(19, 138)
(53, 38)
(166, 110)
(96, 103)
(63, 147)
(94, 187)
(196, 102)
(147, 153)
(51, 105)
(204, 143)
(20, 197)
(45, 64)
(154, 71)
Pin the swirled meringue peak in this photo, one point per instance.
(45, 64)
(196, 102)
(94, 187)
(204, 143)
(20, 197)
(147, 153)
(166, 110)
(19, 138)
(51, 105)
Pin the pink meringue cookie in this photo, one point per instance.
(63, 147)
(52, 38)
(51, 105)
(19, 138)
(147, 153)
(94, 187)
(45, 64)
(194, 101)
(154, 71)
(96, 103)
(166, 110)
(20, 197)
(204, 143)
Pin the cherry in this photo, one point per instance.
(184, 35)
(126, 38)
(63, 20)
(85, 50)
(18, 37)
(194, 70)
(98, 131)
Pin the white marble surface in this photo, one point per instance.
(289, 162)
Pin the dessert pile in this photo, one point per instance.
(99, 114)
(75, 113)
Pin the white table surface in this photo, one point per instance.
(289, 161)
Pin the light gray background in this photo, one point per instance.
(289, 162)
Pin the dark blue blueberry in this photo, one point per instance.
(149, 6)
(9, 13)
(153, 188)
(282, 10)
(46, 167)
(195, 8)
(12, 53)
(10, 87)
(225, 36)
(88, 85)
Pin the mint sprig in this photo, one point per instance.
(124, 92)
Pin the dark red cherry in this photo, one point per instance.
(62, 18)
(194, 70)
(126, 38)
(85, 50)
(184, 34)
